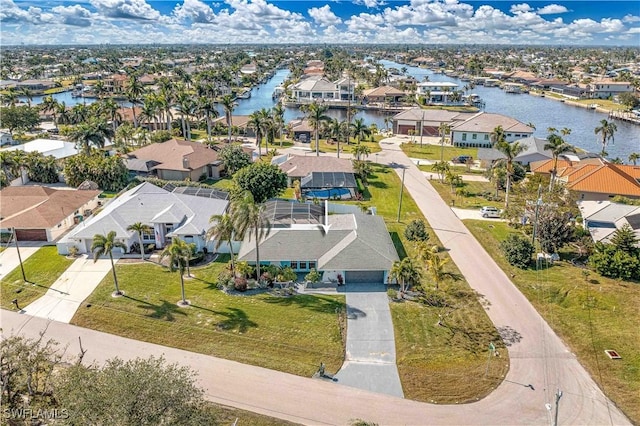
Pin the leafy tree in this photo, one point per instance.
(442, 168)
(105, 244)
(363, 170)
(406, 273)
(517, 250)
(178, 254)
(609, 261)
(313, 276)
(416, 231)
(249, 221)
(109, 173)
(629, 100)
(139, 228)
(554, 229)
(234, 158)
(606, 129)
(21, 117)
(625, 239)
(262, 180)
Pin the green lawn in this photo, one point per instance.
(473, 200)
(590, 314)
(42, 269)
(432, 152)
(333, 147)
(290, 334)
(224, 415)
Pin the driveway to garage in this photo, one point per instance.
(370, 361)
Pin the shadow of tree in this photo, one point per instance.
(237, 319)
(397, 242)
(355, 313)
(509, 335)
(314, 303)
(164, 311)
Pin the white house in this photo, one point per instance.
(603, 89)
(319, 88)
(183, 212)
(55, 147)
(476, 130)
(436, 91)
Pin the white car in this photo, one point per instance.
(488, 211)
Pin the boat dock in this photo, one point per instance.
(628, 116)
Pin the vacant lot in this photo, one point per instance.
(432, 152)
(590, 313)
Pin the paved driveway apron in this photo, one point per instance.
(370, 361)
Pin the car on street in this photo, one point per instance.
(488, 211)
(462, 159)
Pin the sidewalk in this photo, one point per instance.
(9, 258)
(64, 297)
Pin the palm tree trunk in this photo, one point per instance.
(141, 245)
(184, 299)
(113, 271)
(233, 267)
(229, 126)
(506, 196)
(317, 143)
(208, 128)
(257, 253)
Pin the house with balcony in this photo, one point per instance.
(437, 92)
(317, 88)
(607, 88)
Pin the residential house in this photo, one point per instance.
(384, 95)
(239, 122)
(6, 139)
(40, 213)
(607, 88)
(304, 236)
(329, 185)
(36, 85)
(315, 88)
(429, 119)
(301, 130)
(533, 152)
(476, 130)
(436, 92)
(175, 159)
(299, 166)
(604, 218)
(183, 212)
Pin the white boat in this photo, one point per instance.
(245, 95)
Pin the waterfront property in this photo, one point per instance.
(304, 237)
(319, 88)
(383, 95)
(43, 214)
(178, 213)
(476, 131)
(429, 119)
(300, 166)
(59, 149)
(436, 92)
(533, 151)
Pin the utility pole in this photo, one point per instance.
(535, 220)
(15, 236)
(421, 128)
(404, 169)
(555, 417)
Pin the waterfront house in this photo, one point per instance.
(436, 92)
(37, 86)
(383, 95)
(429, 119)
(315, 88)
(175, 159)
(239, 122)
(304, 236)
(300, 166)
(533, 152)
(603, 218)
(183, 212)
(476, 130)
(40, 213)
(606, 88)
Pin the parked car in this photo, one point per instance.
(488, 211)
(462, 159)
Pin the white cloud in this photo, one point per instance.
(194, 11)
(126, 9)
(634, 30)
(370, 3)
(75, 15)
(10, 12)
(324, 16)
(552, 9)
(523, 7)
(631, 18)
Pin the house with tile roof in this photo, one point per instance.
(169, 214)
(476, 130)
(304, 236)
(41, 213)
(175, 159)
(383, 94)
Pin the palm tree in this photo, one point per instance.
(360, 150)
(335, 129)
(360, 130)
(444, 129)
(178, 253)
(248, 220)
(557, 146)
(606, 129)
(221, 232)
(93, 132)
(405, 272)
(277, 115)
(228, 103)
(186, 107)
(256, 122)
(49, 104)
(134, 92)
(111, 111)
(104, 244)
(207, 107)
(435, 268)
(634, 157)
(510, 151)
(316, 115)
(139, 228)
(27, 93)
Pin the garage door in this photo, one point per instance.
(31, 234)
(364, 277)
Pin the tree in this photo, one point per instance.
(609, 261)
(557, 146)
(316, 115)
(416, 231)
(606, 130)
(256, 122)
(139, 228)
(335, 129)
(406, 273)
(262, 180)
(21, 117)
(207, 108)
(234, 158)
(517, 250)
(629, 100)
(443, 130)
(510, 151)
(442, 168)
(626, 240)
(634, 157)
(94, 132)
(105, 244)
(436, 271)
(109, 173)
(134, 93)
(360, 150)
(228, 103)
(178, 254)
(360, 130)
(222, 231)
(554, 229)
(49, 104)
(249, 221)
(363, 170)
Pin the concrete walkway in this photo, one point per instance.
(370, 361)
(64, 297)
(9, 258)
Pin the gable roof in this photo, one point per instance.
(175, 154)
(299, 166)
(354, 242)
(532, 145)
(603, 218)
(150, 204)
(545, 166)
(484, 122)
(37, 207)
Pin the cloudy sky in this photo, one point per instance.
(307, 21)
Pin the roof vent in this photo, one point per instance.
(185, 163)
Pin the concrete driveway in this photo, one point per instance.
(472, 214)
(370, 361)
(9, 259)
(64, 297)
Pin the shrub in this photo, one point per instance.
(313, 276)
(518, 250)
(240, 283)
(609, 261)
(416, 231)
(225, 277)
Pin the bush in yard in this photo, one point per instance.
(518, 250)
(313, 276)
(416, 231)
(610, 261)
(240, 283)
(225, 278)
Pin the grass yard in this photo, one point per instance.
(474, 199)
(432, 152)
(590, 314)
(333, 147)
(224, 415)
(42, 268)
(290, 334)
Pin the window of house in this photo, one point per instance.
(486, 137)
(146, 236)
(294, 264)
(302, 265)
(474, 136)
(312, 265)
(464, 136)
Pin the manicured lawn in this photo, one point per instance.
(344, 148)
(224, 184)
(432, 152)
(474, 199)
(42, 269)
(590, 314)
(290, 334)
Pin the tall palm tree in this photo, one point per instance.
(27, 93)
(277, 115)
(335, 129)
(249, 220)
(178, 254)
(104, 244)
(444, 129)
(606, 129)
(134, 93)
(186, 107)
(63, 114)
(510, 151)
(557, 146)
(437, 273)
(256, 122)
(90, 133)
(207, 108)
(316, 116)
(139, 228)
(49, 104)
(360, 130)
(221, 232)
(405, 272)
(634, 157)
(111, 111)
(228, 103)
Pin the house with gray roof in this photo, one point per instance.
(315, 88)
(604, 218)
(304, 236)
(533, 151)
(169, 213)
(476, 130)
(429, 119)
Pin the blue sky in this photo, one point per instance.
(615, 23)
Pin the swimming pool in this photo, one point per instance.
(323, 194)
